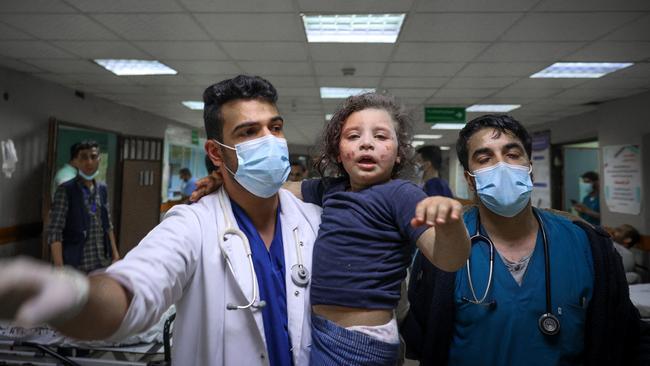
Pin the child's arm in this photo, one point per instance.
(446, 243)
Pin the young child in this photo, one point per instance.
(370, 221)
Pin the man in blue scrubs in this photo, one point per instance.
(493, 319)
(589, 209)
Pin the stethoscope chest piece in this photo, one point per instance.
(549, 324)
(300, 275)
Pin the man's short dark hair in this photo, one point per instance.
(502, 123)
(591, 175)
(185, 171)
(432, 154)
(83, 145)
(240, 87)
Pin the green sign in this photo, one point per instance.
(444, 115)
(195, 137)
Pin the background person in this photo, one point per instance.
(298, 171)
(188, 184)
(80, 232)
(589, 209)
(428, 161)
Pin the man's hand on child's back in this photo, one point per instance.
(205, 186)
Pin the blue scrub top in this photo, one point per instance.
(270, 270)
(507, 333)
(593, 203)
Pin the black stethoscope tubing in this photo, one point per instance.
(548, 323)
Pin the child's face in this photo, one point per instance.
(368, 147)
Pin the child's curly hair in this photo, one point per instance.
(327, 165)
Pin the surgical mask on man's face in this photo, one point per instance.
(86, 176)
(419, 172)
(584, 189)
(504, 188)
(263, 165)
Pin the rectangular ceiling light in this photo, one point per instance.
(445, 148)
(580, 69)
(353, 28)
(328, 116)
(493, 108)
(416, 143)
(136, 67)
(193, 105)
(427, 137)
(342, 93)
(448, 126)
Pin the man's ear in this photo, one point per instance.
(213, 150)
(471, 183)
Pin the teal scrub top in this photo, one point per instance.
(507, 332)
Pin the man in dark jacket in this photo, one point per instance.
(539, 289)
(80, 232)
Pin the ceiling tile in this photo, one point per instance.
(612, 51)
(550, 83)
(67, 66)
(350, 52)
(475, 6)
(206, 80)
(34, 6)
(638, 30)
(59, 26)
(528, 51)
(467, 27)
(253, 27)
(410, 82)
(9, 33)
(248, 6)
(102, 49)
(526, 93)
(348, 82)
(354, 7)
(479, 82)
(275, 68)
(204, 67)
(298, 92)
(183, 50)
(273, 51)
(411, 93)
(126, 6)
(639, 70)
(153, 27)
(593, 5)
(18, 65)
(292, 81)
(423, 69)
(31, 49)
(501, 69)
(597, 94)
(361, 68)
(566, 26)
(438, 52)
(464, 93)
(105, 78)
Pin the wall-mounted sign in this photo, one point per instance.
(622, 171)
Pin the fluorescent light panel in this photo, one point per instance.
(193, 105)
(493, 108)
(580, 69)
(416, 143)
(445, 148)
(328, 116)
(342, 93)
(136, 67)
(427, 137)
(448, 126)
(353, 28)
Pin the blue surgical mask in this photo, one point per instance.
(262, 165)
(88, 177)
(584, 189)
(504, 188)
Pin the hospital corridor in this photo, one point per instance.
(304, 182)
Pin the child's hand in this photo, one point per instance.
(437, 210)
(205, 186)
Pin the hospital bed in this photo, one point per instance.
(44, 346)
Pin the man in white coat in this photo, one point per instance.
(236, 264)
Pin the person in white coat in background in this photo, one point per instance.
(236, 264)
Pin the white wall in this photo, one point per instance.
(24, 119)
(624, 121)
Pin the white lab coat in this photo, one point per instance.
(180, 262)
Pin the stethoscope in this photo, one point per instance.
(299, 273)
(548, 323)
